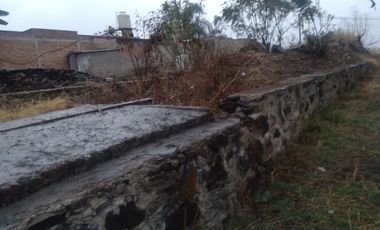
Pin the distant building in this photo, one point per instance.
(44, 48)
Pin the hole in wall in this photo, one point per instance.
(47, 221)
(129, 216)
(185, 216)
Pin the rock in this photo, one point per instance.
(97, 203)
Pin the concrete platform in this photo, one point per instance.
(66, 113)
(36, 152)
(172, 170)
(142, 165)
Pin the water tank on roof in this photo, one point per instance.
(124, 20)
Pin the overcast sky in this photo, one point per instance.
(91, 16)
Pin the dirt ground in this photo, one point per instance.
(36, 79)
(294, 63)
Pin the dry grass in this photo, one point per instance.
(210, 77)
(14, 110)
(203, 85)
(197, 90)
(346, 37)
(374, 58)
(213, 76)
(210, 80)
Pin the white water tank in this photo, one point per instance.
(124, 20)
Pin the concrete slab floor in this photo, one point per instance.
(34, 156)
(134, 163)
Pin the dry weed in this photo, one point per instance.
(10, 111)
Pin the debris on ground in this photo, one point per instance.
(12, 81)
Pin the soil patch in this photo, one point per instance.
(12, 81)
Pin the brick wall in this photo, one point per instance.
(42, 48)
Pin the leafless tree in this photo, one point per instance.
(357, 26)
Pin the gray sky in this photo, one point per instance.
(90, 16)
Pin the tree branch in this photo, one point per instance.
(373, 4)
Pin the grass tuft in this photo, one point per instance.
(15, 110)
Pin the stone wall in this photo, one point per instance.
(274, 117)
(197, 176)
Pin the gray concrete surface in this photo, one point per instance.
(198, 178)
(34, 156)
(63, 114)
(137, 166)
(105, 63)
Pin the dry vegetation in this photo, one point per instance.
(209, 74)
(214, 76)
(20, 109)
(220, 75)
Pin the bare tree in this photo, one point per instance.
(357, 26)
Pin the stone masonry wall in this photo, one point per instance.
(196, 178)
(274, 117)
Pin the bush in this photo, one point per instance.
(349, 40)
(318, 44)
(319, 35)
